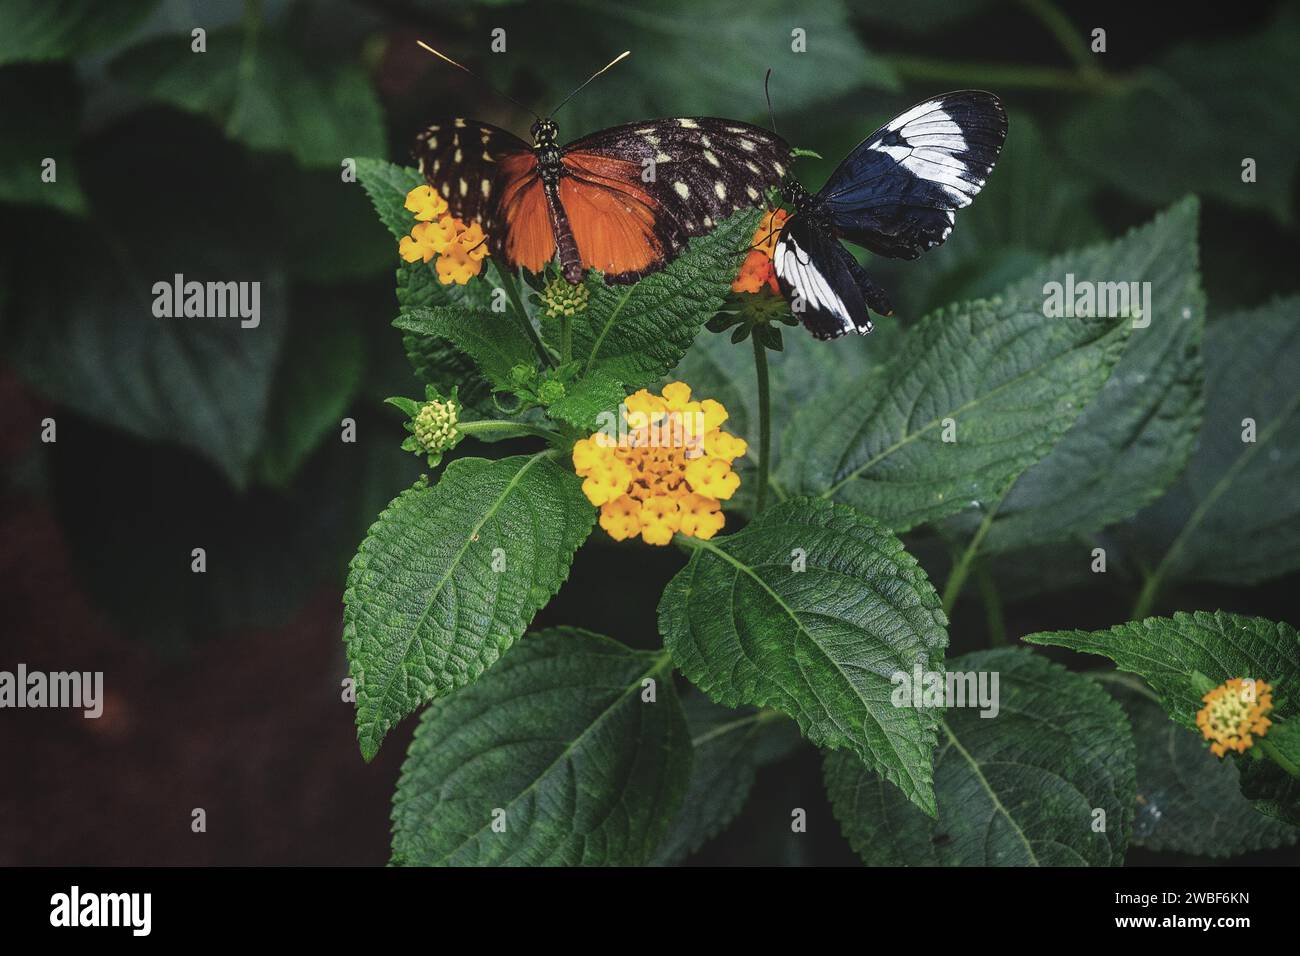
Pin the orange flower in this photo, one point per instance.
(756, 271)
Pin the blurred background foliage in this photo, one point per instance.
(226, 165)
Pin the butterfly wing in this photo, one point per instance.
(822, 281)
(489, 176)
(897, 192)
(635, 193)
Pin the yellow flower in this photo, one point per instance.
(436, 235)
(425, 203)
(1233, 711)
(427, 239)
(474, 241)
(720, 444)
(714, 414)
(621, 518)
(701, 516)
(676, 395)
(590, 453)
(460, 248)
(607, 483)
(643, 402)
(652, 479)
(660, 518)
(712, 477)
(463, 257)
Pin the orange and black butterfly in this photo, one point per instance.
(623, 200)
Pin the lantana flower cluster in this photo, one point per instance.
(667, 470)
(460, 248)
(1234, 711)
(757, 271)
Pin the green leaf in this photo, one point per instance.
(1271, 790)
(1234, 518)
(719, 54)
(729, 746)
(558, 744)
(1009, 380)
(449, 577)
(491, 339)
(387, 185)
(262, 92)
(807, 375)
(271, 555)
(33, 30)
(327, 228)
(96, 345)
(417, 282)
(1188, 800)
(33, 130)
(1167, 652)
(586, 399)
(199, 382)
(1136, 435)
(1193, 98)
(820, 644)
(320, 374)
(435, 361)
(638, 333)
(1018, 789)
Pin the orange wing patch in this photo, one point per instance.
(612, 218)
(528, 240)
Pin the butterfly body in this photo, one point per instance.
(623, 200)
(895, 194)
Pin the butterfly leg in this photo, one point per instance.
(565, 243)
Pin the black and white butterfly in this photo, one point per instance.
(895, 195)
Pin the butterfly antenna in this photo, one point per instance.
(621, 56)
(465, 69)
(771, 115)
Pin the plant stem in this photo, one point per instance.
(525, 323)
(1278, 757)
(1146, 598)
(962, 566)
(1059, 25)
(764, 423)
(566, 339)
(997, 625)
(496, 429)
